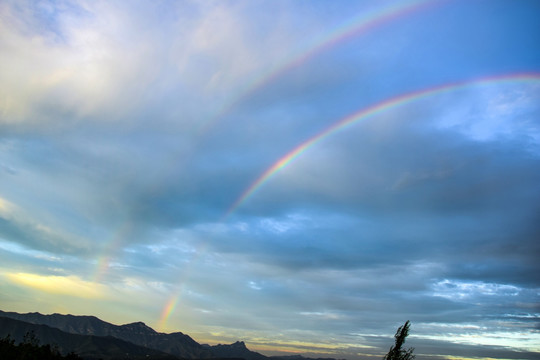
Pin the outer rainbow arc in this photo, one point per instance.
(110, 248)
(173, 300)
(351, 29)
(363, 114)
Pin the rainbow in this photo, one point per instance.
(347, 30)
(354, 27)
(176, 295)
(363, 114)
(168, 310)
(111, 247)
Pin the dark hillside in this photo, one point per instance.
(138, 333)
(87, 346)
(53, 329)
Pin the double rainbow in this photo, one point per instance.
(356, 26)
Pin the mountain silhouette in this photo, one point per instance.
(93, 338)
(236, 350)
(137, 333)
(87, 346)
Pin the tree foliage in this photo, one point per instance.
(396, 352)
(30, 349)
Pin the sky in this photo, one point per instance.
(304, 176)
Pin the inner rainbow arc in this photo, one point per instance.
(363, 114)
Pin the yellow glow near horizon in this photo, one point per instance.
(273, 345)
(62, 285)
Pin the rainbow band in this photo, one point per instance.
(168, 310)
(354, 27)
(363, 114)
(111, 248)
(176, 295)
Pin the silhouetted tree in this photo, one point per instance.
(29, 349)
(31, 339)
(396, 352)
(8, 349)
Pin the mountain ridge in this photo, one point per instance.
(138, 333)
(177, 344)
(86, 346)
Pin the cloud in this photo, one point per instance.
(71, 62)
(17, 226)
(5, 207)
(62, 285)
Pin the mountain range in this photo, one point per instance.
(93, 338)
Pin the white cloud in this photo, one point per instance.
(499, 110)
(462, 290)
(22, 250)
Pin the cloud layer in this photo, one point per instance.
(129, 130)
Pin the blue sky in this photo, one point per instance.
(129, 132)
